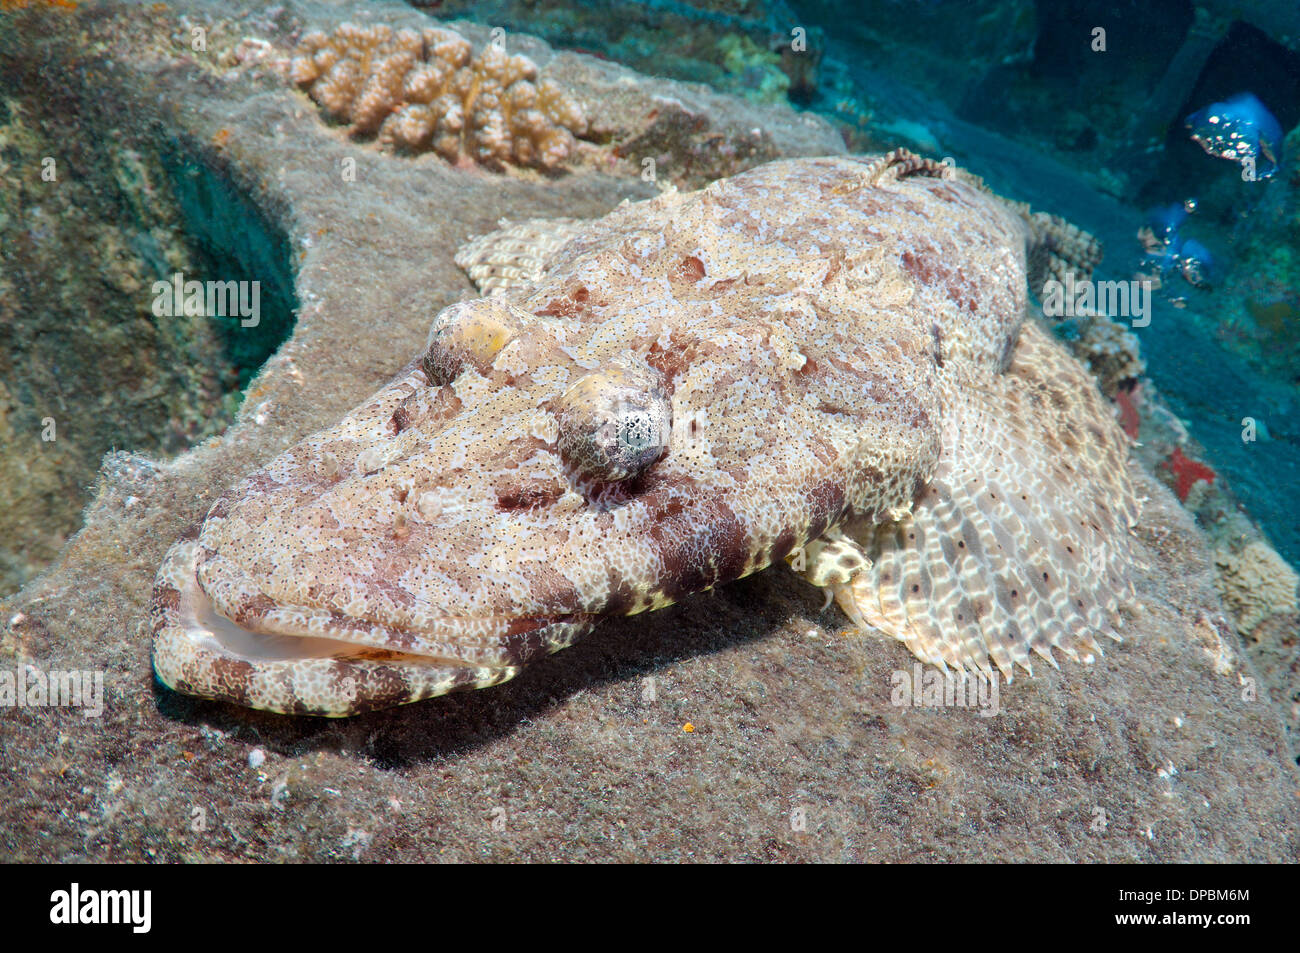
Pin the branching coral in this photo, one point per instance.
(426, 90)
(1110, 350)
(1070, 248)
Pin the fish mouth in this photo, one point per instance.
(275, 666)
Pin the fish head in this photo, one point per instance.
(533, 472)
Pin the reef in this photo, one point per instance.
(744, 48)
(428, 90)
(87, 225)
(1108, 348)
(1256, 584)
(1255, 310)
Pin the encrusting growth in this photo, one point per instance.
(427, 90)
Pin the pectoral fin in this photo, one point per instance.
(1019, 544)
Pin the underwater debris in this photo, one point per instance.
(1242, 130)
(423, 91)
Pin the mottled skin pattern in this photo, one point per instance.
(841, 346)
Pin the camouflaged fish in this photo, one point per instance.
(823, 361)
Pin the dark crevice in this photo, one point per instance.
(234, 240)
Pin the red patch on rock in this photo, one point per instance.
(1187, 472)
(1129, 418)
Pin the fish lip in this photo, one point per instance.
(199, 615)
(189, 657)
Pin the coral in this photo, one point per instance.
(427, 91)
(1256, 584)
(1110, 350)
(755, 72)
(1069, 247)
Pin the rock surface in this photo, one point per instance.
(1164, 750)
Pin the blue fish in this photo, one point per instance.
(1195, 262)
(1240, 128)
(1161, 227)
(1162, 259)
(1186, 256)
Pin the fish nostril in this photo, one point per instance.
(401, 419)
(527, 496)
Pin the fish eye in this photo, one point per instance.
(614, 423)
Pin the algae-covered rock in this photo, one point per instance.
(88, 224)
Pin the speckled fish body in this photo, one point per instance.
(809, 359)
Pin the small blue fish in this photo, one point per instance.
(1172, 252)
(1159, 262)
(1161, 227)
(1195, 262)
(1240, 129)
